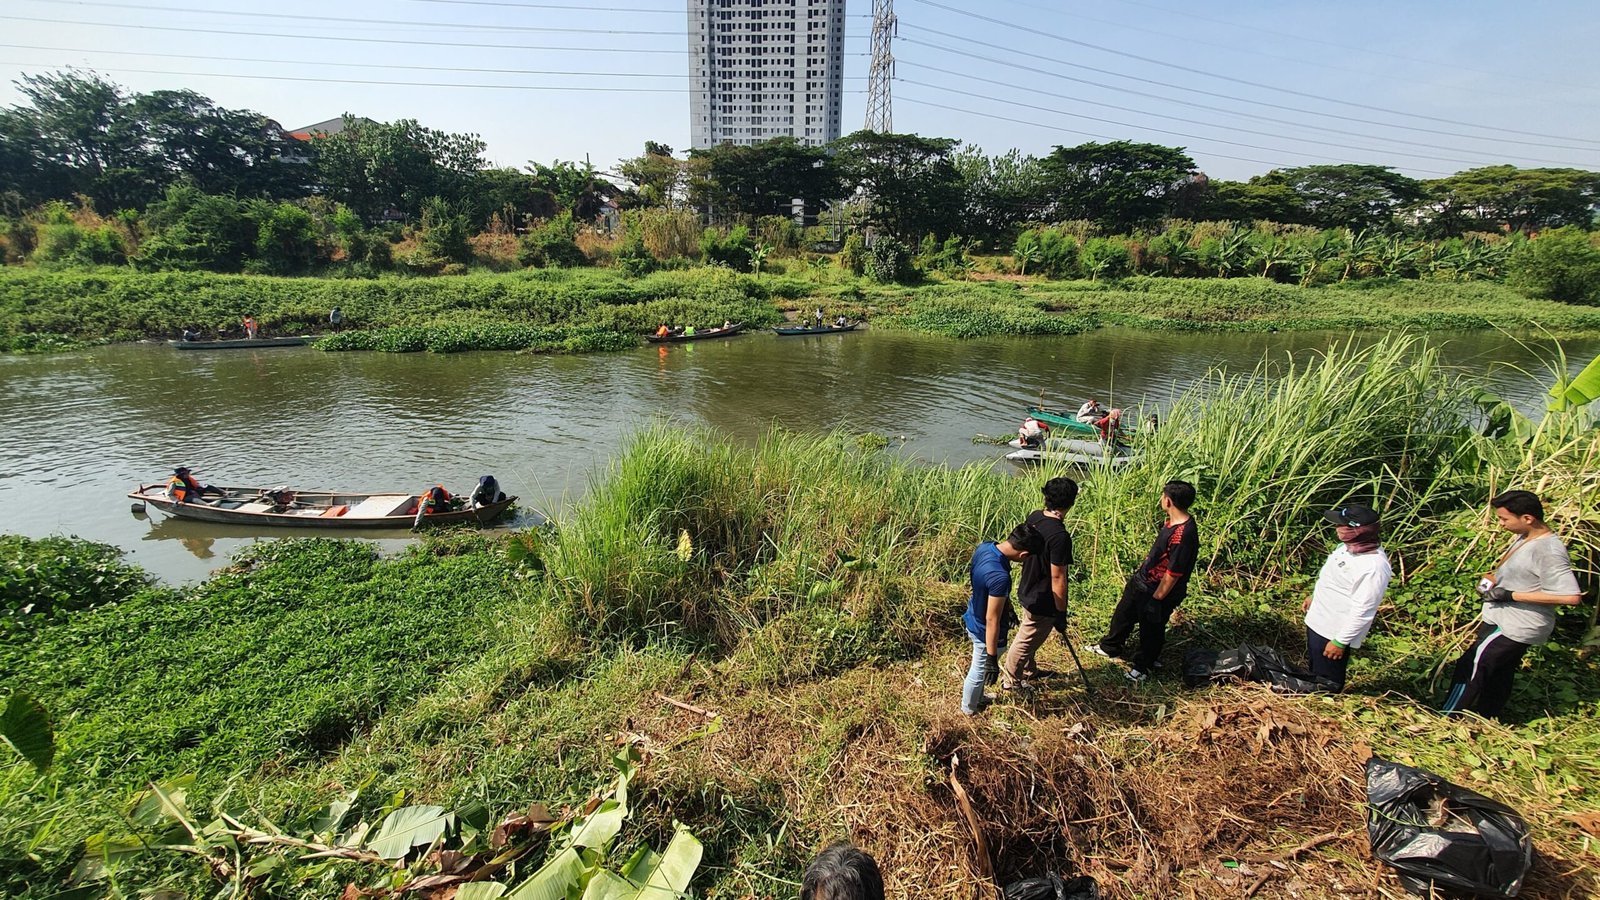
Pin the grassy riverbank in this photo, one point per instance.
(589, 310)
(808, 590)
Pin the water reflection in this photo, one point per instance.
(99, 421)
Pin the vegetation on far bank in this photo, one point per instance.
(589, 310)
(808, 589)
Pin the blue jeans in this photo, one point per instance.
(972, 699)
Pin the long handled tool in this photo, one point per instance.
(1073, 652)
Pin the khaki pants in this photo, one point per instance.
(1031, 635)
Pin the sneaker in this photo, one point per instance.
(1098, 651)
(1039, 674)
(1136, 676)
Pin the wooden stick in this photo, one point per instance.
(688, 707)
(1312, 844)
(985, 863)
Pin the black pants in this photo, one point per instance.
(1482, 681)
(1321, 666)
(1138, 607)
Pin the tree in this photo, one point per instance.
(1511, 199)
(576, 188)
(911, 182)
(1563, 264)
(376, 168)
(762, 179)
(1238, 201)
(194, 230)
(1118, 186)
(1344, 196)
(657, 177)
(515, 195)
(221, 151)
(1002, 193)
(80, 126)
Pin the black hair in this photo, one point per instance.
(842, 872)
(1181, 493)
(1060, 493)
(1025, 537)
(1520, 503)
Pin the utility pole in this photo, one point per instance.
(880, 111)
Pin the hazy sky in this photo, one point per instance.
(1428, 87)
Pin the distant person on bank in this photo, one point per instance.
(989, 617)
(842, 872)
(1532, 578)
(1157, 587)
(1042, 589)
(336, 318)
(1349, 589)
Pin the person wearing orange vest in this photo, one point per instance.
(183, 487)
(433, 500)
(250, 327)
(663, 331)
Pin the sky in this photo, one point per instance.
(1429, 87)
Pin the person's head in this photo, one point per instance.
(1023, 541)
(1060, 493)
(181, 470)
(1519, 512)
(1177, 495)
(1115, 414)
(842, 872)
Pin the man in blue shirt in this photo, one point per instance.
(989, 617)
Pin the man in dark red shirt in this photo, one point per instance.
(1157, 587)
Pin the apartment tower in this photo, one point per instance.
(760, 69)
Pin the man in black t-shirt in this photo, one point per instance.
(1042, 588)
(1157, 587)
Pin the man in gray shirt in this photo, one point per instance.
(1519, 600)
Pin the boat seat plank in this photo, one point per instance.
(379, 506)
(256, 507)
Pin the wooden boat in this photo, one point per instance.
(730, 331)
(787, 331)
(1069, 423)
(1073, 451)
(311, 509)
(239, 343)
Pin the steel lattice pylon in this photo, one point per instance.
(880, 108)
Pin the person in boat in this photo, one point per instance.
(1032, 433)
(1108, 425)
(688, 331)
(183, 488)
(250, 329)
(663, 331)
(487, 493)
(726, 324)
(190, 333)
(1090, 411)
(433, 501)
(1152, 424)
(840, 321)
(818, 317)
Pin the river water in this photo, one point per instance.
(84, 428)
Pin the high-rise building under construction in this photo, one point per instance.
(760, 69)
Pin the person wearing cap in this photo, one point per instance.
(1532, 578)
(1042, 588)
(989, 617)
(1349, 588)
(183, 488)
(1157, 587)
(1032, 433)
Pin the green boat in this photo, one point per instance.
(1068, 422)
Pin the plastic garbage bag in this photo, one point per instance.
(1285, 677)
(1239, 663)
(1435, 833)
(1198, 665)
(1052, 887)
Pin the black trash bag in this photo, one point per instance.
(1439, 834)
(1051, 887)
(1198, 665)
(1285, 677)
(1238, 664)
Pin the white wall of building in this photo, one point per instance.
(760, 69)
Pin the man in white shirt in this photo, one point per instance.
(1090, 411)
(1349, 588)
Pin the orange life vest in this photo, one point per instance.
(435, 499)
(183, 489)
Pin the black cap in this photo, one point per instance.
(1352, 514)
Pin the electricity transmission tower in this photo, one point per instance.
(880, 110)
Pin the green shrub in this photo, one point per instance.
(1563, 265)
(1047, 251)
(889, 261)
(732, 249)
(444, 233)
(634, 259)
(853, 254)
(49, 577)
(287, 238)
(552, 243)
(1106, 258)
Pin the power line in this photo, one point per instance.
(1196, 137)
(511, 5)
(1167, 84)
(302, 18)
(1255, 84)
(1269, 134)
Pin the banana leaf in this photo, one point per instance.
(1581, 390)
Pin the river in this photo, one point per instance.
(84, 428)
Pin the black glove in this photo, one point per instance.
(991, 669)
(1494, 594)
(1061, 624)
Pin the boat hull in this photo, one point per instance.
(244, 344)
(1072, 451)
(698, 336)
(793, 332)
(313, 509)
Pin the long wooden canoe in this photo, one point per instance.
(789, 331)
(239, 344)
(311, 509)
(730, 331)
(1072, 451)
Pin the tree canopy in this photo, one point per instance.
(1118, 185)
